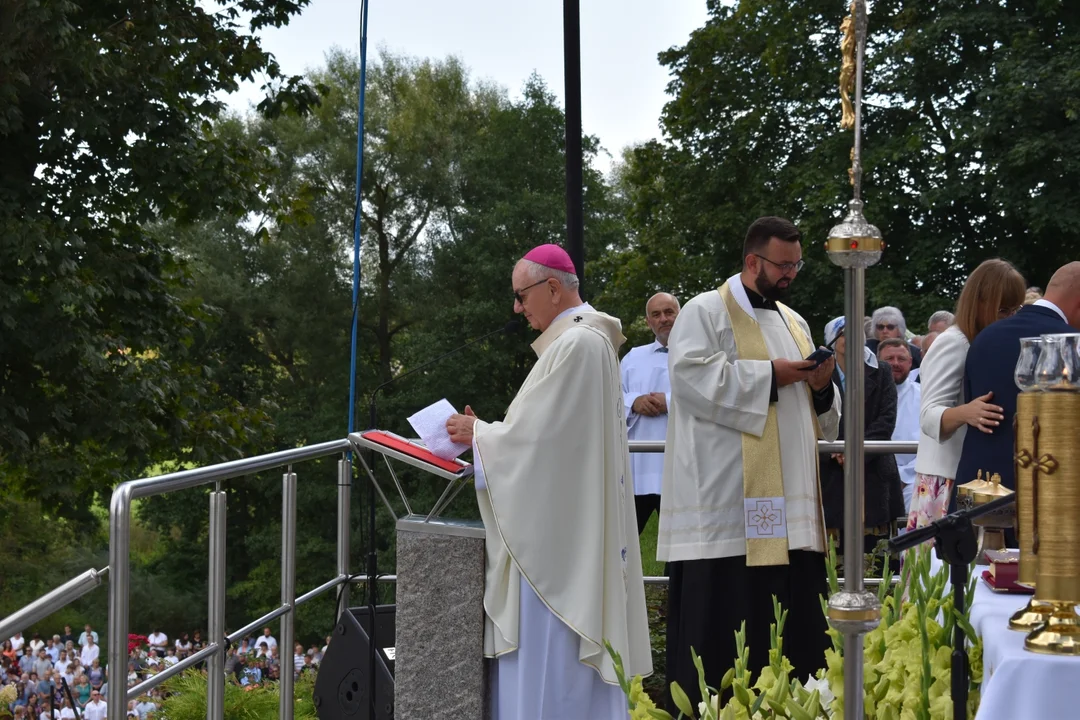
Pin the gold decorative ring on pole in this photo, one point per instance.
(860, 615)
(854, 244)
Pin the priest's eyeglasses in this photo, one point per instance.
(517, 293)
(784, 267)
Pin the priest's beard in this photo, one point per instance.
(777, 292)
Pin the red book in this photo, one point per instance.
(1005, 582)
(413, 450)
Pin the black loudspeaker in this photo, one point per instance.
(341, 687)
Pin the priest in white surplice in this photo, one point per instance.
(740, 509)
(563, 565)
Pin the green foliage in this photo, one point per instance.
(971, 132)
(186, 698)
(105, 121)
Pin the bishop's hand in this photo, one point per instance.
(460, 426)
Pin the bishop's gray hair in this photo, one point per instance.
(889, 314)
(538, 272)
(940, 316)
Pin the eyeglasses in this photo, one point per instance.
(517, 293)
(784, 267)
(886, 326)
(1008, 312)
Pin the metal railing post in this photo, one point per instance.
(119, 586)
(344, 512)
(288, 593)
(215, 666)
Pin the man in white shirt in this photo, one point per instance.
(37, 645)
(62, 662)
(646, 392)
(158, 641)
(89, 653)
(17, 642)
(894, 351)
(88, 632)
(96, 709)
(265, 642)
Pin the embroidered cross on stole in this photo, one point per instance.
(764, 511)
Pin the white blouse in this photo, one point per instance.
(942, 379)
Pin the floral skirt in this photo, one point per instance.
(929, 500)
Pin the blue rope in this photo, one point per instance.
(356, 218)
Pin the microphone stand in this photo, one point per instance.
(372, 557)
(955, 543)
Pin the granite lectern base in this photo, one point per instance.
(440, 670)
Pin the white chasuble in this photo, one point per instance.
(557, 502)
(716, 397)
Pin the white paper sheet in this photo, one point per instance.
(430, 425)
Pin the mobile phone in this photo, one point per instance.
(818, 357)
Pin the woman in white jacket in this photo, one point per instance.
(993, 291)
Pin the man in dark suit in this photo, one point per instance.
(991, 361)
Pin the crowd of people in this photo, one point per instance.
(66, 677)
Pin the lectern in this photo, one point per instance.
(440, 671)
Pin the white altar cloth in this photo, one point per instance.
(1018, 684)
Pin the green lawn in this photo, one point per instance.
(649, 564)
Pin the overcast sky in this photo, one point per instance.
(506, 40)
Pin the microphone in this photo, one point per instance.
(507, 329)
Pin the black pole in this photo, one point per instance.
(575, 212)
(959, 572)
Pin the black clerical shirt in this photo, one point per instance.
(823, 399)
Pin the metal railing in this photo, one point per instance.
(214, 653)
(118, 570)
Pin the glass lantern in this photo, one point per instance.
(1024, 375)
(1058, 367)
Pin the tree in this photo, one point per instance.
(280, 278)
(969, 123)
(105, 127)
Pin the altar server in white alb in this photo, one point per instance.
(563, 567)
(646, 394)
(740, 514)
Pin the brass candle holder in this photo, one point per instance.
(1035, 613)
(1056, 532)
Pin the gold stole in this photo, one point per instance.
(764, 510)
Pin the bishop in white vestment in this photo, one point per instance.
(563, 566)
(740, 516)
